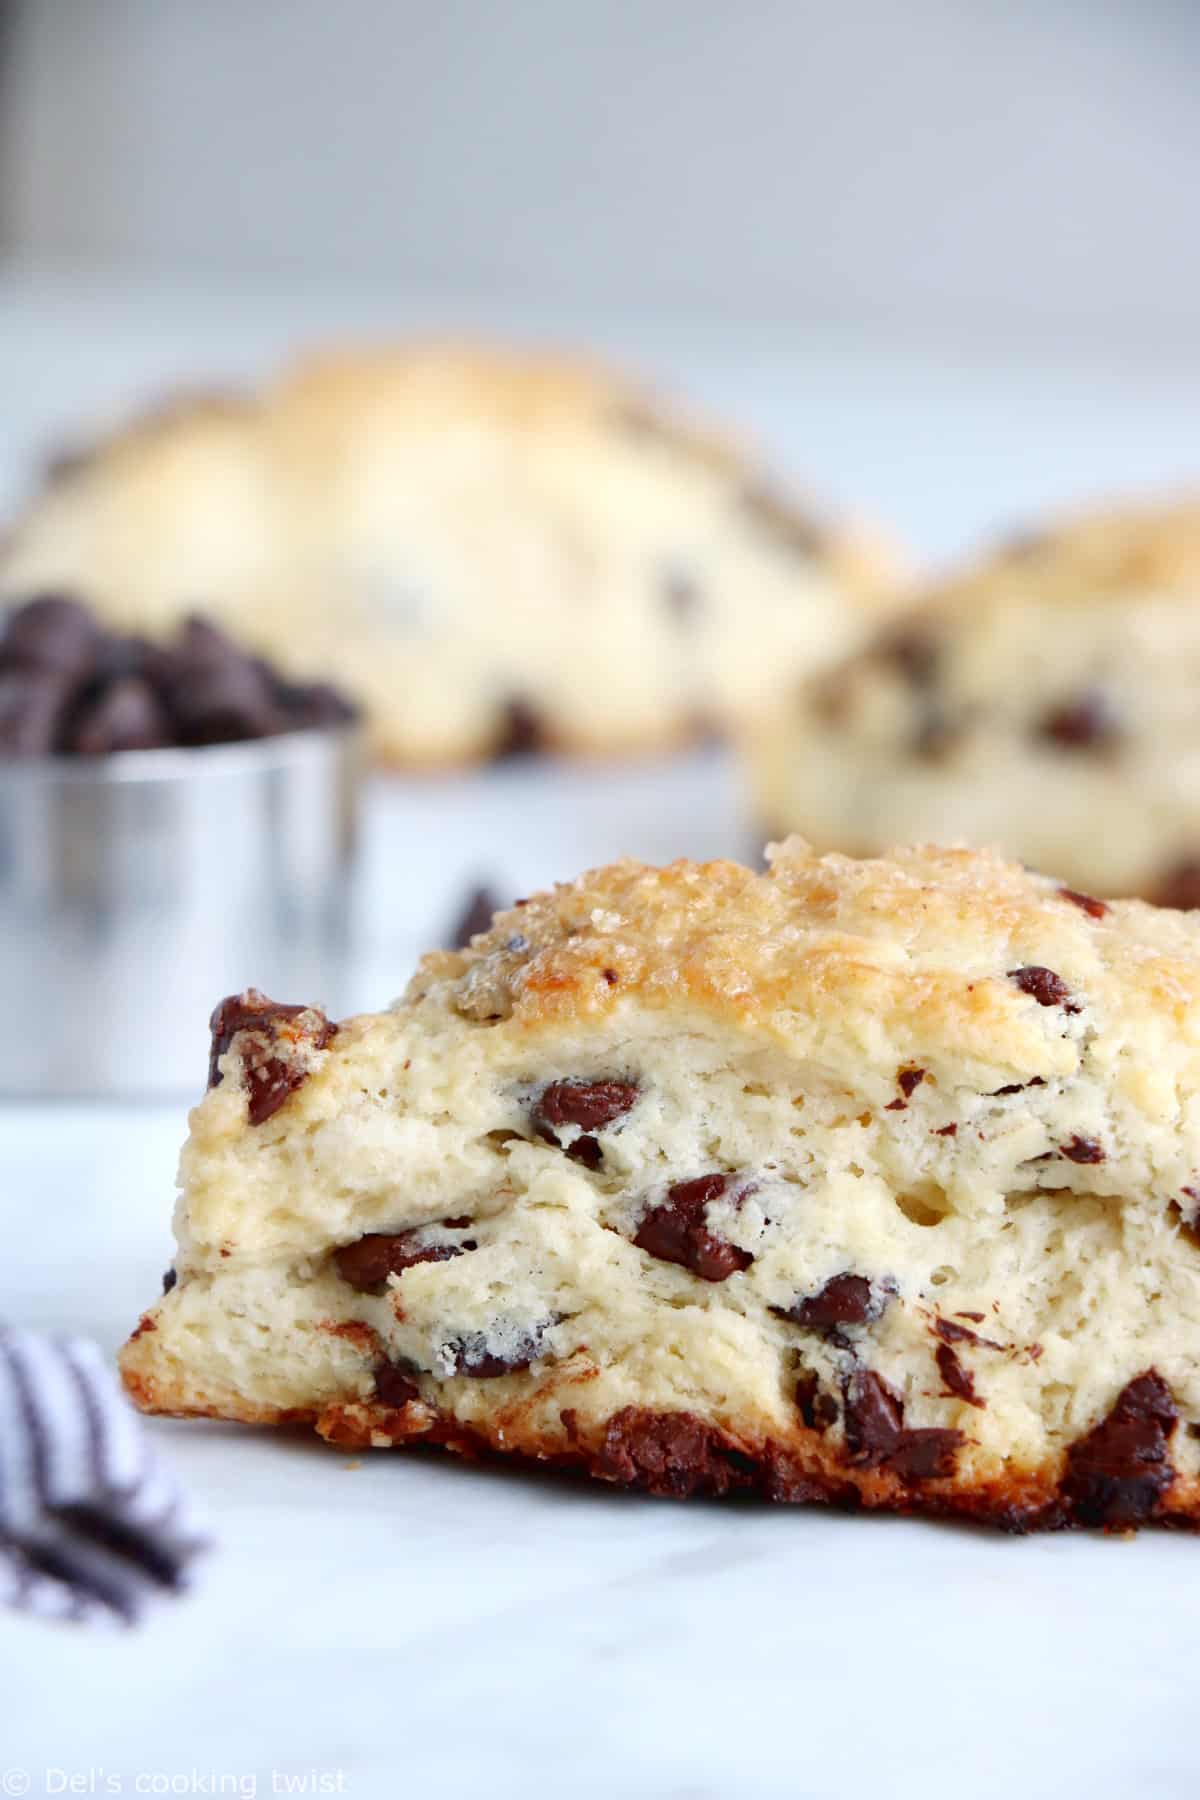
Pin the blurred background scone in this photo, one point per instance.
(1045, 703)
(493, 551)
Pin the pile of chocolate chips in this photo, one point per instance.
(69, 688)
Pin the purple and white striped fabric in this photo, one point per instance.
(91, 1522)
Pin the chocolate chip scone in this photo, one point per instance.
(1044, 705)
(493, 552)
(875, 1183)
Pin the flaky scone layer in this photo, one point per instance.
(490, 550)
(1043, 704)
(875, 1182)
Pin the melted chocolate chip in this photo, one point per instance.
(675, 1231)
(846, 1299)
(818, 1409)
(1117, 1474)
(674, 1455)
(1085, 722)
(959, 1380)
(589, 1104)
(367, 1263)
(1095, 909)
(275, 1034)
(475, 1353)
(952, 1333)
(878, 1438)
(1043, 985)
(1179, 888)
(1082, 1150)
(475, 918)
(394, 1385)
(521, 731)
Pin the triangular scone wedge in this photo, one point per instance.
(869, 1182)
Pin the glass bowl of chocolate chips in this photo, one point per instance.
(178, 820)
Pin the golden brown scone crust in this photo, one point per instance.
(1040, 703)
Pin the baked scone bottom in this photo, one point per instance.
(858, 1183)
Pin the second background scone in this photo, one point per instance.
(1045, 703)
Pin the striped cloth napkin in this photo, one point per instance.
(91, 1522)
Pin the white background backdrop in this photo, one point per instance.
(987, 164)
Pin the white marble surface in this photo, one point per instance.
(412, 1626)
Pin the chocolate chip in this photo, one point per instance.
(51, 632)
(586, 1150)
(909, 1080)
(676, 1230)
(521, 731)
(66, 687)
(34, 704)
(475, 917)
(1043, 985)
(169, 1280)
(275, 1034)
(312, 706)
(589, 1104)
(952, 1333)
(958, 1380)
(946, 1131)
(367, 1263)
(1118, 1473)
(201, 644)
(475, 1353)
(681, 595)
(1095, 909)
(1016, 1087)
(795, 530)
(1085, 722)
(1082, 1150)
(229, 703)
(818, 1409)
(911, 650)
(1193, 1194)
(394, 1385)
(846, 1299)
(127, 715)
(1179, 888)
(877, 1437)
